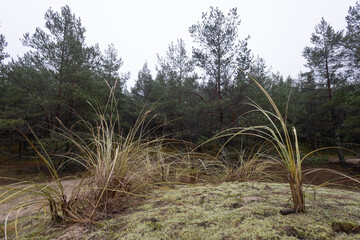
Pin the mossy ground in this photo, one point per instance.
(248, 210)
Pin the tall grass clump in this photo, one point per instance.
(283, 141)
(122, 164)
(118, 165)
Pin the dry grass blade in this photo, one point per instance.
(249, 165)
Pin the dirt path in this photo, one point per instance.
(6, 207)
(355, 161)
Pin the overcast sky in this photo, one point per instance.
(140, 29)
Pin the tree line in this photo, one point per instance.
(195, 94)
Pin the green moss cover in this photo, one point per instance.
(249, 210)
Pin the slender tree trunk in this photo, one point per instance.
(334, 118)
(70, 107)
(328, 83)
(338, 141)
(57, 108)
(233, 115)
(218, 89)
(61, 75)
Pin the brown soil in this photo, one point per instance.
(31, 209)
(349, 161)
(330, 174)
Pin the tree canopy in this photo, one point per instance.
(196, 94)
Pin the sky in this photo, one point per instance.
(140, 29)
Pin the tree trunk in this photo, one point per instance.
(334, 119)
(233, 115)
(338, 142)
(218, 88)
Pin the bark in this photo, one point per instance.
(338, 141)
(218, 87)
(334, 118)
(328, 83)
(233, 114)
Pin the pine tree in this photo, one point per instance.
(110, 66)
(348, 97)
(3, 45)
(64, 63)
(179, 94)
(351, 43)
(324, 59)
(218, 54)
(143, 85)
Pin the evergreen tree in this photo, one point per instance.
(348, 97)
(324, 60)
(176, 66)
(109, 72)
(3, 45)
(219, 52)
(110, 66)
(351, 43)
(57, 78)
(314, 123)
(178, 97)
(4, 89)
(64, 63)
(143, 85)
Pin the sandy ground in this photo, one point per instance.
(347, 160)
(6, 207)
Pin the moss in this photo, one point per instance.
(346, 227)
(248, 210)
(153, 224)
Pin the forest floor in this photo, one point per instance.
(347, 160)
(31, 209)
(249, 210)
